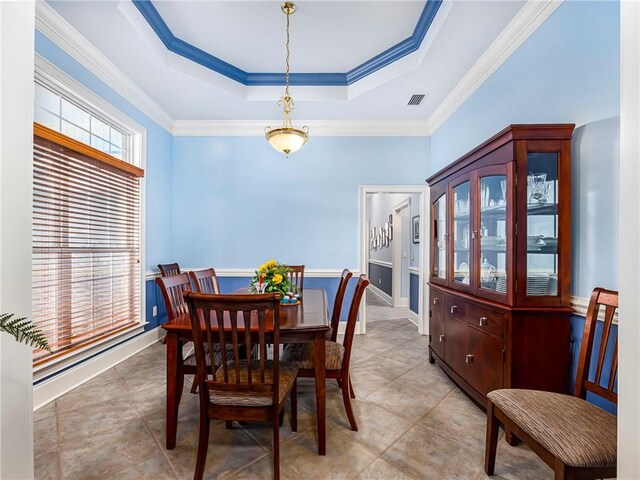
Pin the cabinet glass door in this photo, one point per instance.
(440, 238)
(492, 233)
(461, 233)
(542, 224)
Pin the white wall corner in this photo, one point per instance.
(533, 14)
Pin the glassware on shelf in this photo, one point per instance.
(503, 188)
(487, 273)
(537, 188)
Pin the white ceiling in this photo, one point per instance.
(327, 36)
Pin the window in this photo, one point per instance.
(63, 114)
(86, 229)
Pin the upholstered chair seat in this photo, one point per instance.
(577, 432)
(302, 355)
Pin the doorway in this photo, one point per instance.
(393, 220)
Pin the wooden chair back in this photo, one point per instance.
(296, 276)
(173, 289)
(338, 301)
(169, 269)
(608, 299)
(205, 281)
(352, 319)
(222, 320)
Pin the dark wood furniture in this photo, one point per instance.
(574, 437)
(169, 269)
(337, 356)
(243, 388)
(500, 296)
(205, 281)
(307, 322)
(338, 302)
(296, 275)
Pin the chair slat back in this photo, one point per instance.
(609, 300)
(296, 276)
(352, 319)
(338, 301)
(169, 269)
(205, 281)
(173, 289)
(239, 324)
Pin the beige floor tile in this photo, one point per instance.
(45, 435)
(424, 454)
(406, 401)
(99, 456)
(262, 432)
(46, 465)
(521, 459)
(387, 368)
(381, 470)
(47, 410)
(105, 387)
(151, 399)
(366, 381)
(345, 457)
(156, 467)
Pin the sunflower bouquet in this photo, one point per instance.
(272, 277)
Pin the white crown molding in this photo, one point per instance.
(318, 128)
(533, 14)
(60, 32)
(250, 272)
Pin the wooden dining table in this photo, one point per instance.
(307, 322)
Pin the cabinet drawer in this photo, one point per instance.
(490, 321)
(456, 307)
(437, 300)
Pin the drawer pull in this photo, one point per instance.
(468, 358)
(435, 300)
(453, 308)
(483, 321)
(441, 338)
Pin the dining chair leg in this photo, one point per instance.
(281, 418)
(561, 471)
(276, 449)
(228, 424)
(353, 393)
(491, 442)
(203, 446)
(294, 407)
(346, 397)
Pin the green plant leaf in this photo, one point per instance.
(24, 331)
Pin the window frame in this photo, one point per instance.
(54, 78)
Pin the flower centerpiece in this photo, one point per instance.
(273, 277)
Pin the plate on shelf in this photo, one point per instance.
(537, 285)
(491, 241)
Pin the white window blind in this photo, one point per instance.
(86, 243)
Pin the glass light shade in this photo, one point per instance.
(286, 140)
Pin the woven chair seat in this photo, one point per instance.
(190, 359)
(288, 373)
(302, 354)
(573, 430)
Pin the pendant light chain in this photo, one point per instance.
(288, 52)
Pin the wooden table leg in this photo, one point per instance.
(321, 392)
(174, 392)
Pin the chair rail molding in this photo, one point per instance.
(250, 272)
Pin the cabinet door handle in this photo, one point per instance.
(441, 338)
(435, 300)
(453, 308)
(483, 321)
(468, 358)
(474, 234)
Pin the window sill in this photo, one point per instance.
(65, 361)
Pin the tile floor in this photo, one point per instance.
(414, 424)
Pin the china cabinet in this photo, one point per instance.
(500, 249)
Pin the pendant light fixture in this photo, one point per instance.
(287, 139)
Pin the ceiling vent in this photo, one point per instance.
(416, 99)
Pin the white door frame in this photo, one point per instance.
(363, 250)
(396, 288)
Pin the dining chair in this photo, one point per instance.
(169, 269)
(243, 388)
(337, 355)
(574, 437)
(296, 276)
(337, 304)
(205, 281)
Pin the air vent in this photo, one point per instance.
(416, 99)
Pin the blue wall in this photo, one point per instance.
(300, 210)
(567, 71)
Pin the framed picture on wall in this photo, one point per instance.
(416, 229)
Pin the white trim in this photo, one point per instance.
(66, 381)
(382, 263)
(248, 272)
(415, 319)
(580, 306)
(319, 128)
(381, 294)
(342, 328)
(414, 270)
(533, 14)
(59, 31)
(396, 254)
(404, 302)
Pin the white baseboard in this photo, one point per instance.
(404, 302)
(381, 294)
(414, 318)
(342, 327)
(62, 383)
